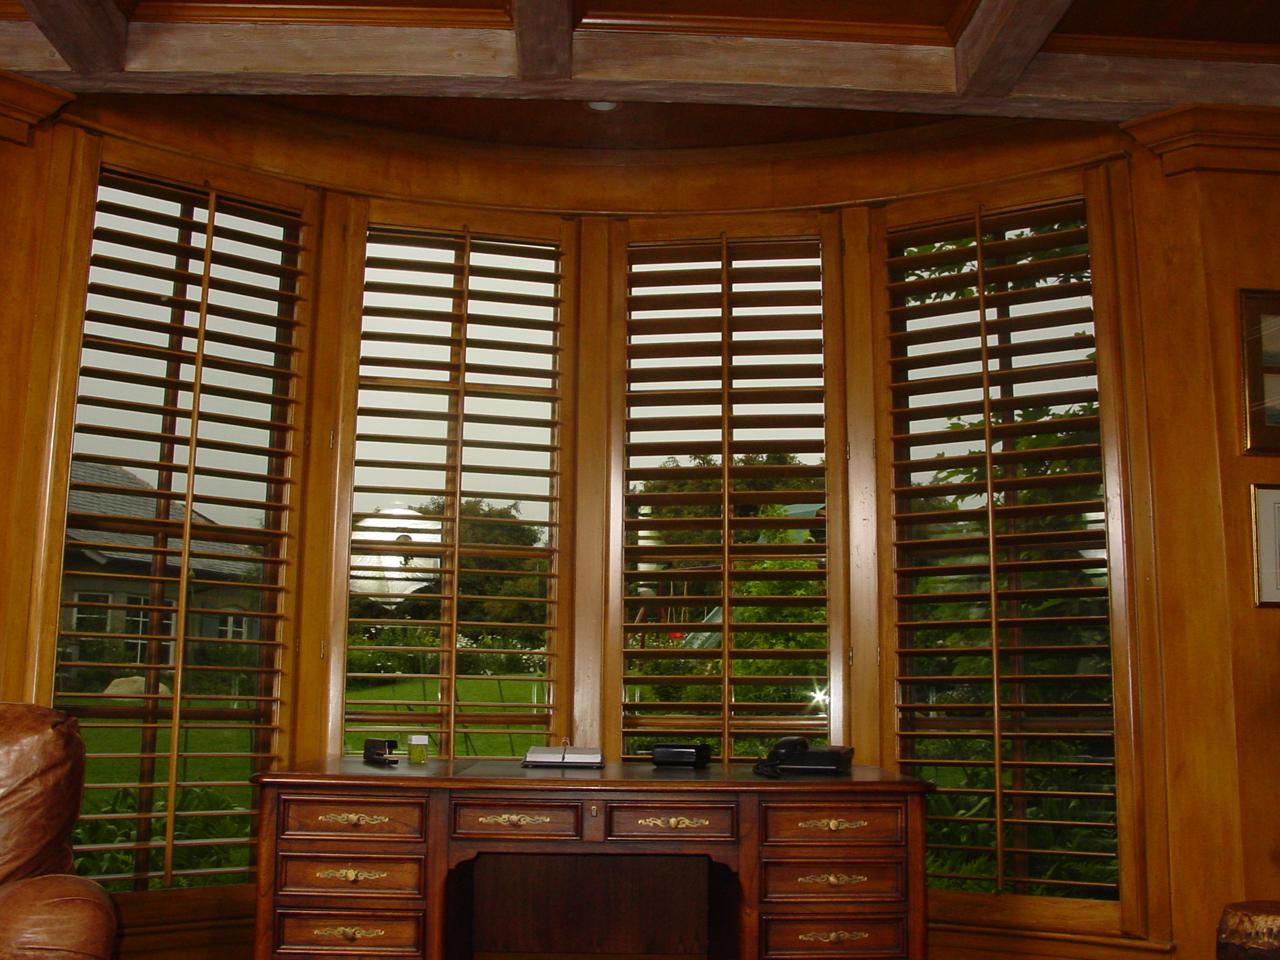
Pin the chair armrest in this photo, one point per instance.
(57, 916)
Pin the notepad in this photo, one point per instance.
(563, 756)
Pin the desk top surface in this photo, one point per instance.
(481, 774)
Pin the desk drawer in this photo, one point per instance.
(517, 818)
(831, 824)
(366, 934)
(835, 936)
(351, 876)
(674, 821)
(833, 881)
(353, 817)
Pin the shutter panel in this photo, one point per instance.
(725, 495)
(1004, 655)
(177, 528)
(452, 579)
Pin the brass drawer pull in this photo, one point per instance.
(350, 875)
(350, 934)
(834, 936)
(833, 879)
(674, 823)
(513, 819)
(837, 824)
(353, 819)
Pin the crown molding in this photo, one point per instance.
(24, 103)
(1218, 138)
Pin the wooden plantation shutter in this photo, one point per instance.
(1000, 551)
(725, 637)
(452, 613)
(177, 526)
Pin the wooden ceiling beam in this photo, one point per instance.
(478, 62)
(1000, 41)
(544, 38)
(90, 35)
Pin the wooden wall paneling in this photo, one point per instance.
(206, 923)
(294, 681)
(181, 164)
(23, 169)
(569, 509)
(861, 236)
(381, 162)
(839, 380)
(58, 313)
(325, 499)
(593, 465)
(1003, 194)
(1240, 217)
(615, 355)
(1137, 750)
(1145, 682)
(23, 104)
(1193, 573)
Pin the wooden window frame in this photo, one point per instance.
(608, 662)
(345, 256)
(1142, 912)
(62, 293)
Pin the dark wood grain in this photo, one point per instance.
(90, 35)
(626, 861)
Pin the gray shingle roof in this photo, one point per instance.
(110, 497)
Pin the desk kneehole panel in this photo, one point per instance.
(829, 824)
(351, 876)
(353, 816)
(360, 934)
(672, 821)
(880, 881)
(841, 935)
(516, 819)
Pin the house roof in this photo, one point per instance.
(1108, 60)
(103, 490)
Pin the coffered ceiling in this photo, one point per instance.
(1087, 59)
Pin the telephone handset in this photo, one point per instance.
(792, 755)
(786, 748)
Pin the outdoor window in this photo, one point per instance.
(1000, 552)
(725, 637)
(178, 502)
(91, 612)
(452, 616)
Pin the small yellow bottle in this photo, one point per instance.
(418, 744)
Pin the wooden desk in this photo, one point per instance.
(363, 861)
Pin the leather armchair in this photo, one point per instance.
(46, 912)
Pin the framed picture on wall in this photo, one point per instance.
(1266, 544)
(1260, 320)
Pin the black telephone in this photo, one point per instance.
(792, 755)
